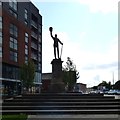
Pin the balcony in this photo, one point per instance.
(33, 56)
(34, 35)
(34, 46)
(34, 24)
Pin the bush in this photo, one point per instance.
(117, 85)
(14, 117)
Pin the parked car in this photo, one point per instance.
(93, 92)
(118, 92)
(106, 92)
(96, 92)
(112, 92)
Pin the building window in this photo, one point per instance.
(39, 66)
(26, 49)
(13, 4)
(26, 37)
(36, 66)
(0, 22)
(0, 51)
(0, 37)
(26, 14)
(13, 30)
(26, 23)
(13, 56)
(39, 57)
(13, 13)
(40, 40)
(39, 48)
(26, 59)
(10, 71)
(37, 77)
(13, 43)
(0, 3)
(40, 29)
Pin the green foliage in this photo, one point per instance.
(27, 74)
(70, 74)
(95, 87)
(107, 85)
(14, 117)
(117, 85)
(70, 66)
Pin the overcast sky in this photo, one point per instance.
(89, 32)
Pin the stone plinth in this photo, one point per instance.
(57, 84)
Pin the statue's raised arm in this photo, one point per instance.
(51, 29)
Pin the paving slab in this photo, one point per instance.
(115, 96)
(74, 117)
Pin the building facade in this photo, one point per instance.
(46, 81)
(80, 87)
(20, 41)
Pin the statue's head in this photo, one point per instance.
(56, 35)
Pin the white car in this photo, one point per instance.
(113, 92)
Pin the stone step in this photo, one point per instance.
(88, 111)
(56, 107)
(65, 97)
(60, 100)
(61, 103)
(62, 94)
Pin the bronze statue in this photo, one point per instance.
(56, 46)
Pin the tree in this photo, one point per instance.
(27, 74)
(70, 74)
(117, 85)
(103, 83)
(107, 85)
(94, 87)
(70, 66)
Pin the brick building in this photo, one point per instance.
(46, 80)
(81, 87)
(20, 41)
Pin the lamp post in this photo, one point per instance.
(113, 79)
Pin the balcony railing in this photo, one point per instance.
(33, 56)
(33, 45)
(33, 34)
(34, 24)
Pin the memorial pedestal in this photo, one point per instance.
(57, 85)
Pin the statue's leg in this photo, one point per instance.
(55, 52)
(58, 51)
